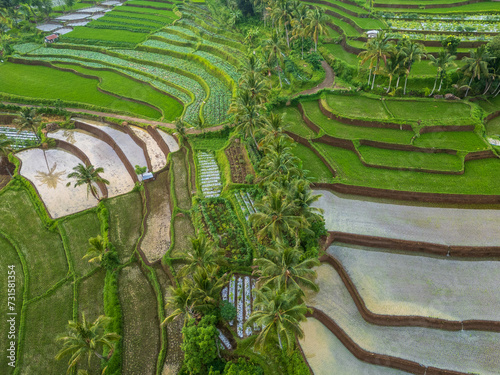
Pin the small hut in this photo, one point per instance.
(372, 33)
(51, 38)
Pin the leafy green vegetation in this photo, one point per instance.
(43, 82)
(96, 35)
(317, 170)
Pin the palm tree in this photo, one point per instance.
(273, 128)
(180, 302)
(476, 64)
(275, 48)
(413, 52)
(282, 267)
(86, 339)
(276, 216)
(28, 119)
(442, 62)
(317, 24)
(247, 114)
(253, 82)
(207, 286)
(379, 48)
(88, 176)
(299, 23)
(279, 313)
(180, 127)
(303, 197)
(5, 147)
(283, 17)
(96, 250)
(278, 162)
(202, 254)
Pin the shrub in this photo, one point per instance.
(199, 344)
(227, 311)
(249, 178)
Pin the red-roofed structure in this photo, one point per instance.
(51, 38)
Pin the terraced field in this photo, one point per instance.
(420, 146)
(194, 62)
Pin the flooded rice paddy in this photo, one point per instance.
(48, 171)
(376, 217)
(158, 158)
(464, 351)
(324, 352)
(102, 155)
(172, 144)
(403, 284)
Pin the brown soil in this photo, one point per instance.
(53, 118)
(238, 163)
(5, 168)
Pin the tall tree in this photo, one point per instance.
(86, 339)
(247, 115)
(275, 49)
(5, 147)
(413, 52)
(442, 63)
(88, 176)
(279, 313)
(28, 119)
(316, 24)
(299, 23)
(97, 249)
(282, 268)
(278, 163)
(203, 253)
(476, 65)
(276, 217)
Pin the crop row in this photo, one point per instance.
(144, 78)
(129, 22)
(192, 111)
(222, 50)
(453, 17)
(417, 36)
(216, 106)
(456, 26)
(216, 61)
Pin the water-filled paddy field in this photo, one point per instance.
(400, 220)
(403, 284)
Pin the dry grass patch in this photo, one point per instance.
(125, 219)
(141, 326)
(45, 320)
(156, 241)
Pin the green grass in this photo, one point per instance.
(43, 250)
(126, 15)
(116, 21)
(211, 144)
(146, 11)
(88, 34)
(45, 320)
(126, 87)
(317, 170)
(490, 105)
(154, 4)
(9, 257)
(350, 7)
(361, 107)
(109, 25)
(340, 53)
(340, 130)
(141, 327)
(447, 112)
(410, 159)
(44, 82)
(493, 126)
(91, 302)
(421, 2)
(181, 177)
(347, 28)
(462, 141)
(363, 23)
(295, 123)
(125, 218)
(480, 177)
(79, 229)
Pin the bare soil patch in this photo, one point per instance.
(157, 239)
(238, 163)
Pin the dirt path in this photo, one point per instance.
(327, 82)
(126, 118)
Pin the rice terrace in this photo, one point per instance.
(249, 187)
